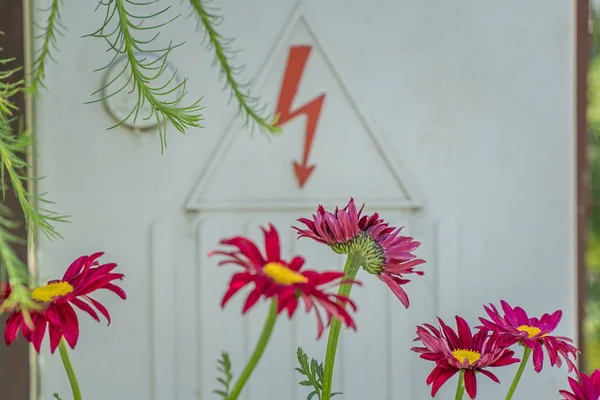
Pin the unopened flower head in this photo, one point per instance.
(381, 249)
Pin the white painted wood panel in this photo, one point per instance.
(367, 359)
(455, 118)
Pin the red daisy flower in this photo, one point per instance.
(84, 276)
(274, 277)
(386, 253)
(515, 326)
(453, 352)
(588, 387)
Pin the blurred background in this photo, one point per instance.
(592, 320)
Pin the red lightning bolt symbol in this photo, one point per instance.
(296, 63)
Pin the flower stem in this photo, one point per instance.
(513, 386)
(460, 387)
(257, 353)
(353, 263)
(64, 355)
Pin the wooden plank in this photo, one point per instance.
(14, 360)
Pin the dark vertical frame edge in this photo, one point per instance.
(14, 359)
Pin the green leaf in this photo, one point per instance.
(13, 150)
(222, 381)
(125, 29)
(225, 368)
(320, 372)
(14, 169)
(314, 366)
(313, 371)
(248, 105)
(56, 396)
(52, 28)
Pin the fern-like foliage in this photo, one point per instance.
(313, 371)
(49, 32)
(7, 88)
(130, 30)
(13, 169)
(13, 165)
(249, 106)
(18, 275)
(13, 266)
(224, 368)
(56, 396)
(13, 149)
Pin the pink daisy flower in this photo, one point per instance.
(385, 252)
(272, 276)
(58, 297)
(515, 326)
(452, 352)
(588, 387)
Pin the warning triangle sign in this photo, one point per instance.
(325, 154)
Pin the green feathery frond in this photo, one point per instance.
(12, 268)
(13, 165)
(53, 27)
(313, 371)
(56, 396)
(248, 105)
(8, 89)
(129, 29)
(225, 380)
(11, 265)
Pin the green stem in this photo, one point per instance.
(460, 387)
(515, 382)
(257, 353)
(64, 355)
(350, 269)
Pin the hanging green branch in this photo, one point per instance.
(248, 106)
(18, 275)
(14, 267)
(121, 28)
(10, 264)
(13, 165)
(52, 28)
(7, 89)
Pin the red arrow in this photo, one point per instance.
(296, 63)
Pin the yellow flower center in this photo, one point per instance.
(532, 331)
(282, 274)
(461, 355)
(49, 292)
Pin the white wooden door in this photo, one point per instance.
(454, 119)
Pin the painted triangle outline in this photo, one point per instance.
(196, 201)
